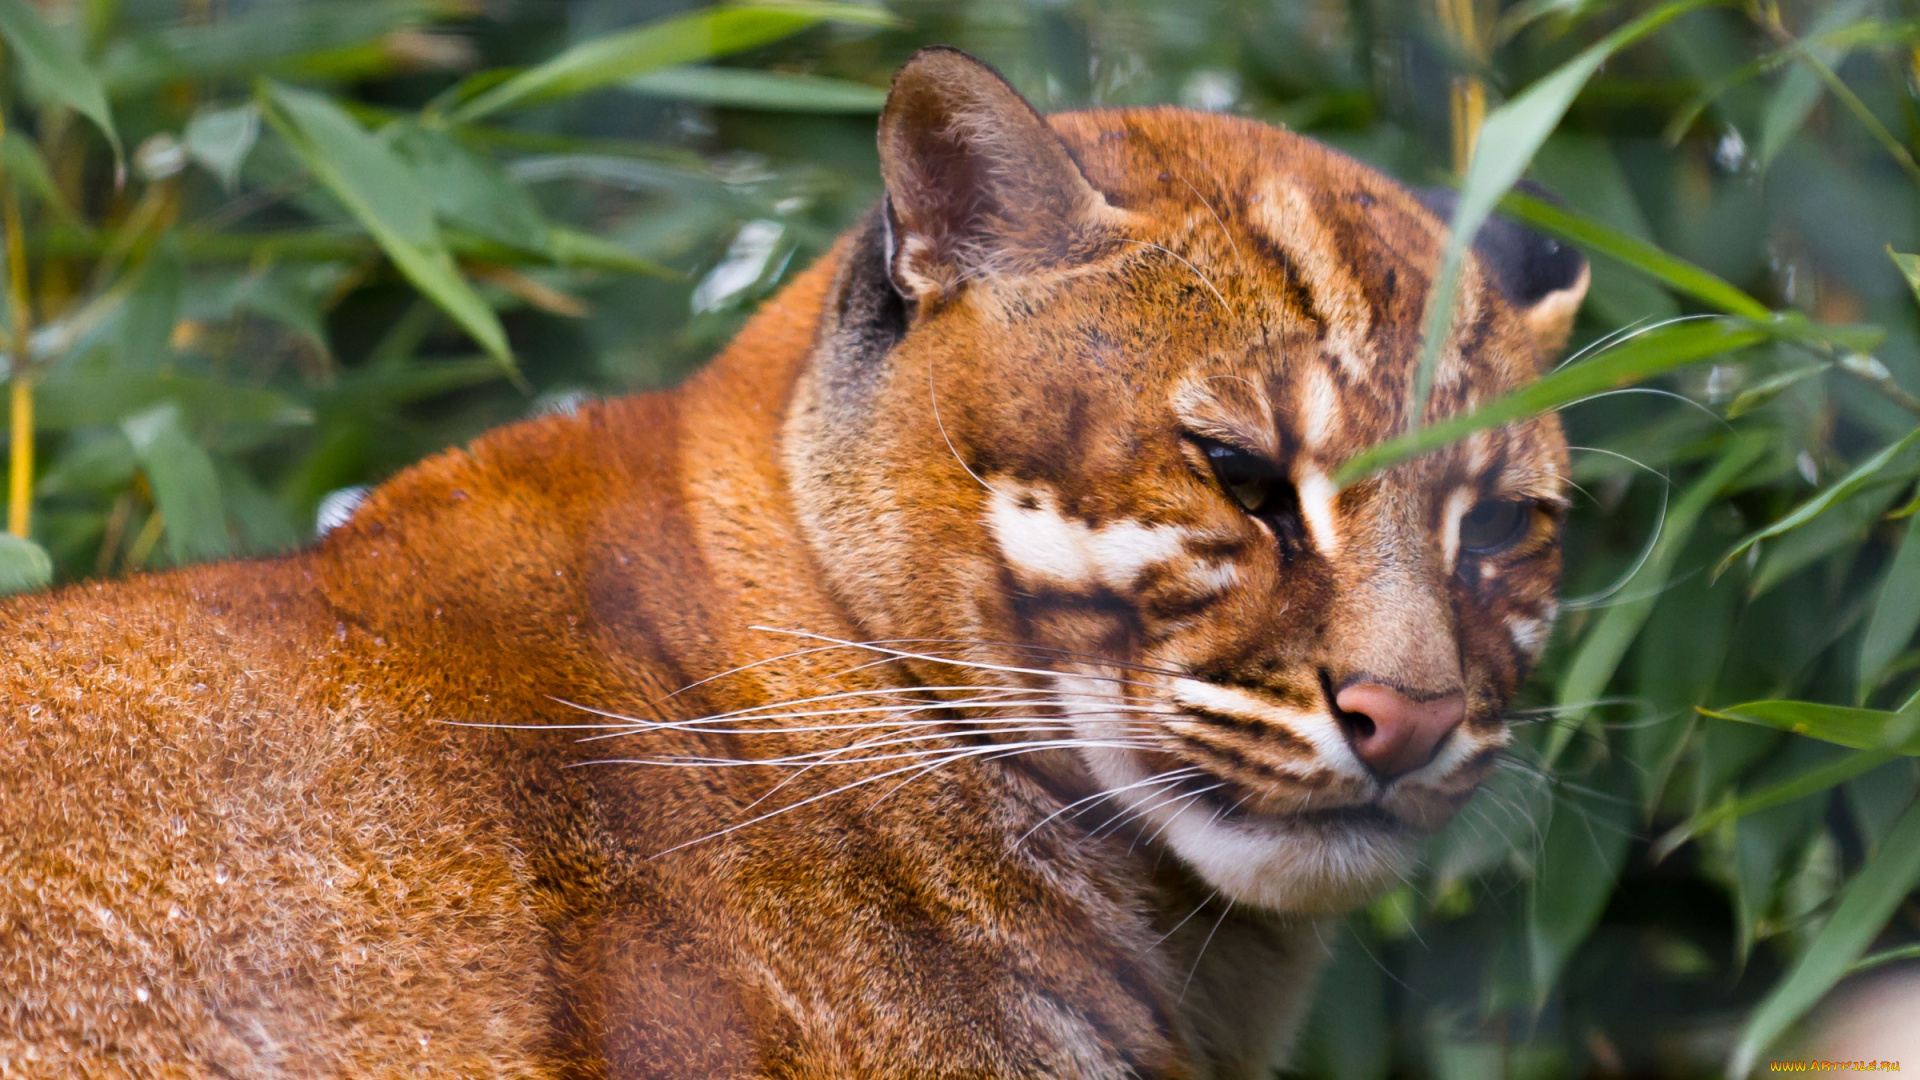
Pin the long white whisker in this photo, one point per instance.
(1197, 957)
(980, 723)
(1622, 337)
(956, 663)
(862, 782)
(1604, 341)
(1180, 804)
(831, 756)
(1155, 834)
(1173, 776)
(752, 711)
(933, 398)
(1655, 391)
(1204, 279)
(1646, 552)
(1197, 908)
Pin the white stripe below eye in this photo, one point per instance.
(1039, 542)
(1316, 505)
(1459, 501)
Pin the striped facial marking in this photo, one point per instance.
(1045, 547)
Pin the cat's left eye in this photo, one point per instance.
(1494, 525)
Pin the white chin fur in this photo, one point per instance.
(1287, 867)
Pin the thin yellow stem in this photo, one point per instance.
(1468, 94)
(20, 458)
(20, 414)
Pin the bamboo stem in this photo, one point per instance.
(1467, 93)
(20, 412)
(20, 458)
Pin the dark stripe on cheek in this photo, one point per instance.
(1275, 737)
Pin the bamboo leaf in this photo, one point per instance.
(185, 487)
(24, 565)
(570, 247)
(1896, 613)
(1840, 530)
(1600, 238)
(75, 399)
(380, 191)
(1793, 100)
(1859, 729)
(221, 139)
(1585, 846)
(1769, 388)
(1648, 354)
(471, 191)
(1868, 963)
(1909, 268)
(772, 91)
(1862, 475)
(1602, 649)
(1866, 903)
(1509, 138)
(683, 39)
(257, 39)
(55, 69)
(27, 169)
(1811, 782)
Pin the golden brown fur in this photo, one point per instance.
(328, 815)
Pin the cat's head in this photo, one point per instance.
(1073, 417)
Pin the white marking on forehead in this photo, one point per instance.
(1529, 634)
(1316, 505)
(1317, 728)
(1459, 501)
(1039, 542)
(1320, 408)
(1478, 452)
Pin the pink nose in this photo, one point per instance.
(1393, 733)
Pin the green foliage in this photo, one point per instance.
(353, 232)
(23, 565)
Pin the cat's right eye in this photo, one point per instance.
(1260, 488)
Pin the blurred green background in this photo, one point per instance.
(261, 254)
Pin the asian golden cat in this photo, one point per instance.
(972, 673)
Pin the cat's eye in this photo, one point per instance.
(1249, 478)
(1494, 525)
(1260, 488)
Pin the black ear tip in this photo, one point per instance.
(1527, 266)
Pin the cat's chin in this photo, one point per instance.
(1309, 865)
(1317, 863)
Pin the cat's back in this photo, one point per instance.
(241, 830)
(285, 816)
(211, 812)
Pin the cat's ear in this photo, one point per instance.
(1544, 279)
(977, 184)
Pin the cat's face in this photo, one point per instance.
(1097, 453)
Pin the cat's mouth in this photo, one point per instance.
(1236, 804)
